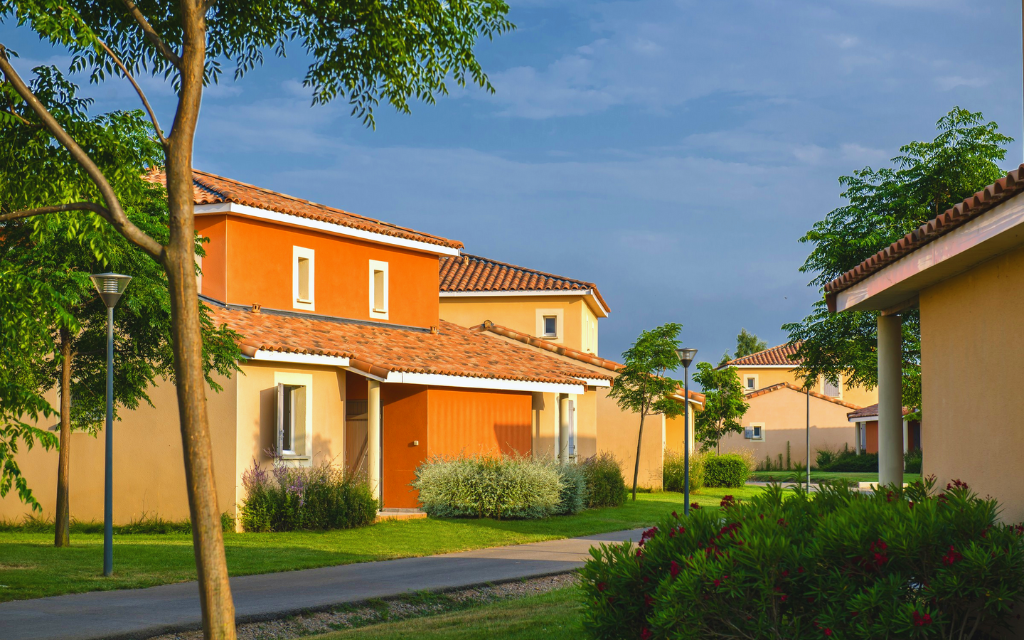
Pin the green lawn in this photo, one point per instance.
(30, 567)
(549, 616)
(852, 476)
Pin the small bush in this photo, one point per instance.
(897, 563)
(572, 495)
(673, 478)
(320, 497)
(726, 470)
(912, 461)
(605, 485)
(825, 456)
(850, 461)
(488, 487)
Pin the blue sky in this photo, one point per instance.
(671, 152)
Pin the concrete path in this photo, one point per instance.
(143, 613)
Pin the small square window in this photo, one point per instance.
(550, 326)
(751, 383)
(757, 433)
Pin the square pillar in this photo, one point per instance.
(373, 436)
(857, 429)
(890, 400)
(564, 426)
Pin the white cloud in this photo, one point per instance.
(947, 83)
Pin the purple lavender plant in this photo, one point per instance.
(255, 478)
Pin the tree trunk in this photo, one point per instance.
(636, 465)
(62, 518)
(179, 263)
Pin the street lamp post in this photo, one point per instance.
(110, 286)
(686, 356)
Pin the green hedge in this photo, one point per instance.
(912, 461)
(605, 485)
(572, 492)
(726, 470)
(304, 498)
(898, 563)
(850, 461)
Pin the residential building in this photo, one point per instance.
(775, 426)
(559, 315)
(964, 273)
(866, 421)
(346, 359)
(778, 365)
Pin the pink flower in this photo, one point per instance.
(674, 568)
(645, 634)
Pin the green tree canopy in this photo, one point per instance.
(642, 385)
(882, 206)
(747, 344)
(723, 405)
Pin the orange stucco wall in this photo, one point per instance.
(871, 437)
(767, 376)
(257, 267)
(474, 422)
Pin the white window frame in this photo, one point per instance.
(756, 379)
(559, 315)
(305, 455)
(756, 425)
(307, 304)
(375, 313)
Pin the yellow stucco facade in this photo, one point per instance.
(577, 321)
(766, 376)
(970, 340)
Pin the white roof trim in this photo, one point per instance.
(299, 358)
(864, 418)
(1001, 220)
(588, 293)
(467, 382)
(595, 382)
(679, 396)
(329, 227)
(762, 366)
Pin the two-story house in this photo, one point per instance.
(559, 315)
(346, 359)
(780, 408)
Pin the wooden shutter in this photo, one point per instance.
(280, 419)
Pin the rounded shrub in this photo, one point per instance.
(605, 485)
(725, 470)
(572, 494)
(488, 487)
(896, 563)
(673, 471)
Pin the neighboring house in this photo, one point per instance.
(778, 364)
(346, 359)
(866, 421)
(775, 424)
(964, 272)
(559, 315)
(560, 310)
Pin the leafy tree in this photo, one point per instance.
(723, 405)
(359, 51)
(882, 206)
(642, 387)
(748, 343)
(56, 254)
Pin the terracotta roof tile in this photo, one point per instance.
(473, 273)
(870, 411)
(1006, 187)
(789, 385)
(209, 188)
(453, 350)
(780, 355)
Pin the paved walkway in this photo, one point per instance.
(143, 613)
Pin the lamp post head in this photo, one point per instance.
(110, 286)
(686, 356)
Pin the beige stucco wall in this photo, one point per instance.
(149, 473)
(617, 434)
(970, 340)
(675, 430)
(257, 414)
(767, 376)
(784, 414)
(520, 313)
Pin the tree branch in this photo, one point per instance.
(138, 90)
(152, 35)
(23, 120)
(73, 206)
(117, 216)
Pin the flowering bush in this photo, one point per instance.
(489, 487)
(292, 498)
(605, 485)
(898, 563)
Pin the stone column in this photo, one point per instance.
(890, 400)
(373, 435)
(857, 426)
